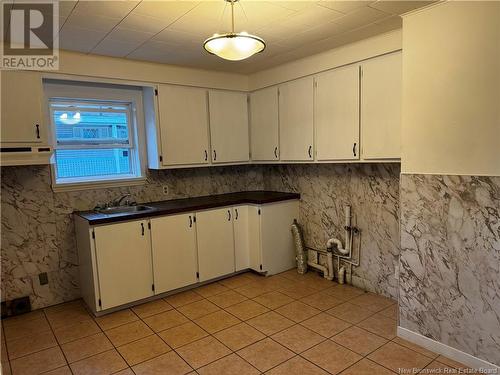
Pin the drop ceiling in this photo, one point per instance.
(172, 32)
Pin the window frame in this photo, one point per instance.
(95, 145)
(84, 91)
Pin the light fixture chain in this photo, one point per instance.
(232, 16)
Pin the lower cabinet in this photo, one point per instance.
(173, 246)
(277, 249)
(215, 239)
(129, 261)
(123, 260)
(241, 237)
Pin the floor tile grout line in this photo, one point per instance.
(57, 341)
(212, 334)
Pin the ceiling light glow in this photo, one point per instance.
(234, 46)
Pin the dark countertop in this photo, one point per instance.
(175, 206)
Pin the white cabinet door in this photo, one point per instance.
(296, 120)
(381, 90)
(21, 118)
(264, 124)
(183, 121)
(241, 238)
(123, 254)
(173, 242)
(254, 239)
(336, 114)
(278, 250)
(229, 126)
(215, 237)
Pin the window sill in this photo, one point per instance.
(65, 187)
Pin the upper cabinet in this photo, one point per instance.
(24, 127)
(336, 114)
(381, 90)
(229, 126)
(348, 114)
(22, 116)
(264, 125)
(183, 125)
(296, 120)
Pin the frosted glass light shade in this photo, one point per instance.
(234, 47)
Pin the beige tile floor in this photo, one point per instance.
(247, 324)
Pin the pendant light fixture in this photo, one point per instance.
(234, 46)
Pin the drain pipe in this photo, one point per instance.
(334, 242)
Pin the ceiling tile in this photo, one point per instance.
(175, 37)
(399, 7)
(113, 9)
(344, 6)
(314, 15)
(114, 48)
(358, 18)
(167, 11)
(258, 13)
(294, 5)
(127, 35)
(143, 23)
(152, 51)
(173, 32)
(66, 7)
(79, 39)
(96, 22)
(391, 23)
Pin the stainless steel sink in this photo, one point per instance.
(124, 209)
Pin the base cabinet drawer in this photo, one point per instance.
(173, 246)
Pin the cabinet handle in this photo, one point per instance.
(190, 221)
(215, 155)
(354, 149)
(37, 131)
(276, 152)
(236, 212)
(309, 151)
(142, 229)
(206, 155)
(228, 215)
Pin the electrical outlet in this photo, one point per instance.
(165, 189)
(43, 278)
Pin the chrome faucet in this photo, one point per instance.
(128, 202)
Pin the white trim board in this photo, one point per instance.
(445, 350)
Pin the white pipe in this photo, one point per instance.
(329, 262)
(347, 236)
(341, 275)
(334, 241)
(347, 231)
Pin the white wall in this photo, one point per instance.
(350, 53)
(451, 89)
(72, 63)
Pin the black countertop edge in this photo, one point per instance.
(175, 206)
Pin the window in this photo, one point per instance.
(95, 141)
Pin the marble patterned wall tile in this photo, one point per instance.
(372, 190)
(450, 261)
(38, 230)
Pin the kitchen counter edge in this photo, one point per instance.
(182, 205)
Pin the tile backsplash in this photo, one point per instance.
(38, 234)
